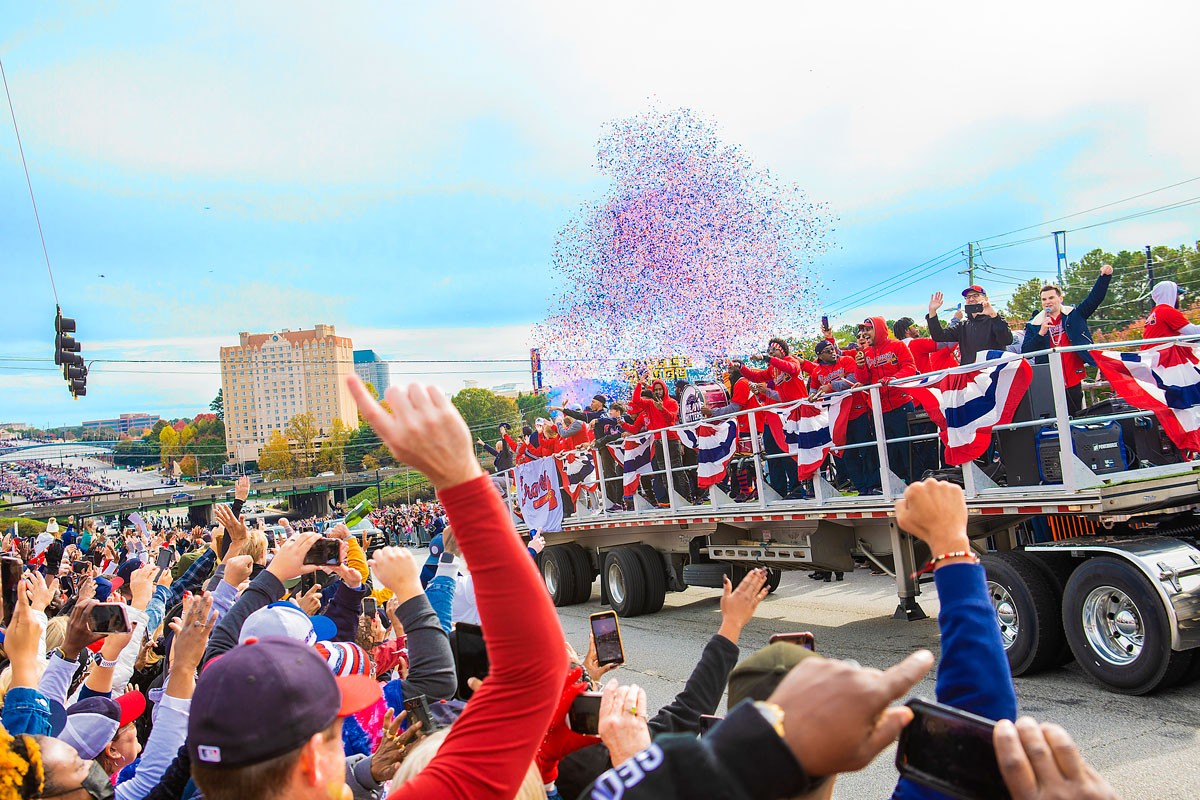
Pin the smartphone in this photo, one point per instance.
(164, 559)
(81, 566)
(707, 721)
(136, 520)
(950, 751)
(11, 570)
(109, 618)
(824, 323)
(584, 714)
(973, 308)
(607, 634)
(470, 656)
(325, 552)
(418, 711)
(804, 639)
(370, 607)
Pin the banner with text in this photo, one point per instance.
(537, 493)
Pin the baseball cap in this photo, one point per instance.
(824, 345)
(436, 547)
(126, 570)
(268, 697)
(973, 288)
(92, 723)
(757, 676)
(286, 620)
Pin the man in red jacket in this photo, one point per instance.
(882, 360)
(662, 412)
(783, 375)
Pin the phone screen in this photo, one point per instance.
(108, 618)
(324, 552)
(950, 751)
(10, 582)
(824, 323)
(607, 634)
(370, 607)
(584, 714)
(973, 308)
(81, 566)
(804, 639)
(470, 656)
(418, 711)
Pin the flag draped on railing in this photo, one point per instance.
(577, 469)
(635, 455)
(966, 406)
(1164, 379)
(715, 443)
(811, 429)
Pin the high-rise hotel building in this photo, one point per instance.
(268, 378)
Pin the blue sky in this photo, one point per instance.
(400, 171)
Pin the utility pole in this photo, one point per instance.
(970, 270)
(1149, 276)
(1060, 248)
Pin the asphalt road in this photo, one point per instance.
(1145, 746)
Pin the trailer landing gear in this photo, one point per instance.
(909, 610)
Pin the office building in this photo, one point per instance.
(124, 425)
(370, 369)
(268, 378)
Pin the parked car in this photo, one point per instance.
(182, 496)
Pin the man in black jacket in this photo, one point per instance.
(983, 330)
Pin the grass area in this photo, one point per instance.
(395, 489)
(26, 526)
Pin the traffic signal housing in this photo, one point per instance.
(66, 354)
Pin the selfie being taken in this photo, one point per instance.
(542, 401)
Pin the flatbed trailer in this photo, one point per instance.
(1115, 585)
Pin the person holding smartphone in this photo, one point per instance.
(984, 329)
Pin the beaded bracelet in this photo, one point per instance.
(933, 562)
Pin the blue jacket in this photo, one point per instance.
(1074, 324)
(973, 673)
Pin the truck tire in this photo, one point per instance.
(584, 574)
(1059, 569)
(1027, 611)
(709, 575)
(774, 576)
(625, 581)
(656, 578)
(558, 572)
(1118, 629)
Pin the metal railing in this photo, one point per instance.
(1075, 476)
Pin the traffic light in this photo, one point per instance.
(66, 354)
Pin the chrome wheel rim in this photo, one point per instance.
(1006, 613)
(1113, 625)
(550, 575)
(616, 585)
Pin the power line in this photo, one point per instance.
(21, 149)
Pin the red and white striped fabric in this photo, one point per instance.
(812, 428)
(1164, 379)
(577, 469)
(714, 443)
(635, 455)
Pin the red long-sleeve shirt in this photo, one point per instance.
(490, 747)
(784, 376)
(657, 418)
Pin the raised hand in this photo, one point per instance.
(935, 302)
(399, 571)
(41, 590)
(393, 746)
(238, 570)
(1041, 762)
(422, 430)
(853, 722)
(289, 561)
(934, 511)
(623, 727)
(234, 527)
(1106, 269)
(591, 662)
(310, 601)
(241, 489)
(191, 638)
(738, 605)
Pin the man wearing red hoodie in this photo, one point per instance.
(881, 361)
(661, 411)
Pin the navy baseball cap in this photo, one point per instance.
(973, 289)
(436, 546)
(268, 697)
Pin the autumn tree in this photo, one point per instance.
(484, 410)
(1026, 300)
(168, 439)
(276, 459)
(302, 431)
(332, 457)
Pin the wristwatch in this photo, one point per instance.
(773, 714)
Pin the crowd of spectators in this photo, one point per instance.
(44, 482)
(247, 672)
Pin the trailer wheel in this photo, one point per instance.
(656, 578)
(1118, 629)
(558, 572)
(1059, 568)
(584, 574)
(625, 580)
(1027, 611)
